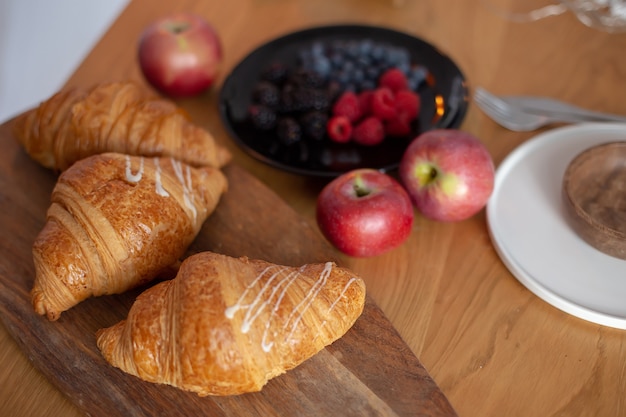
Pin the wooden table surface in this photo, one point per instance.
(493, 347)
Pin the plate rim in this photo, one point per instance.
(456, 119)
(514, 265)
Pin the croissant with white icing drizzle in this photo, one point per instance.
(113, 117)
(115, 222)
(225, 326)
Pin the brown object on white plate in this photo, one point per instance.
(594, 191)
(226, 325)
(113, 117)
(115, 222)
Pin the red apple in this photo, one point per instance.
(180, 55)
(364, 213)
(448, 173)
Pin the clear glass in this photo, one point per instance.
(607, 15)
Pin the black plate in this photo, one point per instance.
(447, 92)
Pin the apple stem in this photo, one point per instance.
(360, 188)
(178, 27)
(426, 173)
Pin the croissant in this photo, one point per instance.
(225, 326)
(115, 222)
(113, 117)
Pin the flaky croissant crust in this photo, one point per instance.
(226, 326)
(113, 117)
(115, 222)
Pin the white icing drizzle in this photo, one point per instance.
(230, 311)
(334, 303)
(275, 296)
(308, 299)
(157, 178)
(130, 177)
(341, 294)
(185, 180)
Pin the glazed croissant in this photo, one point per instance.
(114, 117)
(115, 222)
(225, 326)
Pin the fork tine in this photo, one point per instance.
(484, 101)
(501, 112)
(493, 102)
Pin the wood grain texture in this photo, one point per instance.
(493, 347)
(594, 193)
(369, 372)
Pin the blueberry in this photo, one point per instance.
(365, 46)
(352, 49)
(322, 66)
(416, 76)
(318, 49)
(378, 52)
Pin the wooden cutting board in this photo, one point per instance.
(368, 372)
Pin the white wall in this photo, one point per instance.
(41, 44)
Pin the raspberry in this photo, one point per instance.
(383, 105)
(398, 126)
(339, 129)
(408, 103)
(347, 105)
(393, 79)
(369, 131)
(365, 102)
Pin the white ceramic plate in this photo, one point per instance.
(530, 231)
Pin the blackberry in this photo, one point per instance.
(262, 117)
(333, 90)
(314, 125)
(266, 94)
(276, 73)
(306, 99)
(287, 101)
(288, 131)
(306, 78)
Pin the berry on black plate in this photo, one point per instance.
(314, 125)
(288, 131)
(306, 99)
(370, 131)
(276, 73)
(305, 78)
(394, 79)
(267, 94)
(339, 129)
(383, 104)
(348, 105)
(416, 76)
(262, 117)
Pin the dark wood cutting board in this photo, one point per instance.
(368, 372)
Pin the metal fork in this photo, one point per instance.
(516, 119)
